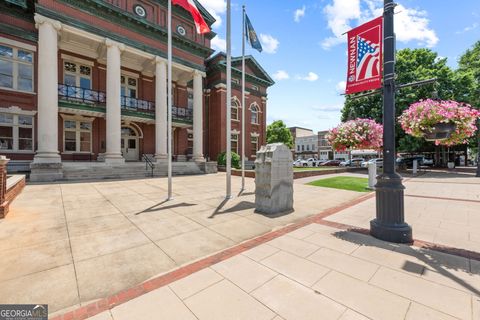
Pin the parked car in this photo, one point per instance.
(319, 162)
(427, 162)
(377, 161)
(356, 162)
(310, 162)
(331, 163)
(408, 161)
(298, 163)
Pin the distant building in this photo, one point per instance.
(325, 151)
(306, 147)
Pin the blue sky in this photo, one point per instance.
(306, 54)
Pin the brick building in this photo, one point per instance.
(86, 81)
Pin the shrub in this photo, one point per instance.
(222, 160)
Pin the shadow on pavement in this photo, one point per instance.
(158, 207)
(427, 256)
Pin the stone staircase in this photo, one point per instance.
(74, 171)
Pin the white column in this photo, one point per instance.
(47, 151)
(160, 109)
(113, 115)
(197, 117)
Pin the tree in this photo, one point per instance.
(277, 131)
(469, 72)
(412, 65)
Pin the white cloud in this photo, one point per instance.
(219, 44)
(469, 28)
(410, 24)
(280, 75)
(331, 108)
(215, 8)
(298, 14)
(340, 87)
(311, 76)
(269, 43)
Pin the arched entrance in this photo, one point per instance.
(129, 143)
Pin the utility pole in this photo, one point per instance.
(389, 224)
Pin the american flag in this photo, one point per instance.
(368, 59)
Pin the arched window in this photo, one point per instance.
(235, 108)
(254, 112)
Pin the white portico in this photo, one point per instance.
(115, 59)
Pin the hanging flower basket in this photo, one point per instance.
(445, 122)
(356, 134)
(439, 131)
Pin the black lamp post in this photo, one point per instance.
(389, 224)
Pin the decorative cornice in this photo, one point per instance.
(154, 34)
(111, 13)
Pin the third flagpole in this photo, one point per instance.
(243, 99)
(169, 100)
(228, 152)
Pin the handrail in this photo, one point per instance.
(148, 163)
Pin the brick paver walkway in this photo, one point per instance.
(318, 272)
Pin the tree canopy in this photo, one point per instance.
(277, 131)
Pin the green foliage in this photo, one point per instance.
(277, 131)
(222, 160)
(415, 65)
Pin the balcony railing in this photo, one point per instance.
(182, 114)
(134, 104)
(94, 97)
(81, 95)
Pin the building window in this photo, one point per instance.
(190, 144)
(254, 114)
(308, 147)
(313, 147)
(16, 68)
(129, 86)
(303, 147)
(190, 98)
(77, 75)
(77, 136)
(298, 148)
(16, 132)
(234, 142)
(254, 145)
(235, 108)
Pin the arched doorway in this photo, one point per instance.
(129, 143)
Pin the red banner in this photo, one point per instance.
(365, 47)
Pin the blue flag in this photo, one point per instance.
(252, 35)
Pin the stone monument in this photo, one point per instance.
(274, 179)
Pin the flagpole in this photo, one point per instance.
(229, 102)
(243, 99)
(169, 100)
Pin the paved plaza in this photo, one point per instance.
(319, 272)
(68, 244)
(201, 257)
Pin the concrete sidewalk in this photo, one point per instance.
(68, 244)
(442, 208)
(318, 272)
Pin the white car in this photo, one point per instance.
(377, 161)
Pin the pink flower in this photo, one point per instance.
(356, 134)
(421, 116)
